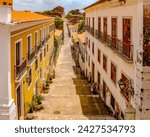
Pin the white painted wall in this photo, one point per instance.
(133, 11)
(7, 106)
(5, 14)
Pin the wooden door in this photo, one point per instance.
(19, 102)
(114, 31)
(93, 71)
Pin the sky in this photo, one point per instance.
(39, 5)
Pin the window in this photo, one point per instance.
(89, 22)
(36, 64)
(105, 62)
(36, 39)
(112, 102)
(113, 72)
(29, 78)
(126, 87)
(99, 56)
(93, 48)
(29, 44)
(41, 56)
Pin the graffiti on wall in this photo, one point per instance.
(146, 35)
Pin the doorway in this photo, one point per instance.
(19, 103)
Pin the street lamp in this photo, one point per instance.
(130, 112)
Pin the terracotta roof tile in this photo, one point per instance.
(27, 16)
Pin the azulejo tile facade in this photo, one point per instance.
(26, 45)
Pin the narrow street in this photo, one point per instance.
(69, 97)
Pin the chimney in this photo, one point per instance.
(5, 11)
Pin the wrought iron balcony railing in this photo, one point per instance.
(20, 69)
(125, 50)
(31, 56)
(37, 48)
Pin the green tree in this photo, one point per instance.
(81, 27)
(59, 23)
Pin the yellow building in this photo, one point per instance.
(27, 41)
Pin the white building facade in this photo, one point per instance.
(115, 52)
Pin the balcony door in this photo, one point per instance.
(105, 28)
(114, 31)
(126, 36)
(18, 53)
(99, 25)
(29, 44)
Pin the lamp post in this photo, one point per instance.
(130, 112)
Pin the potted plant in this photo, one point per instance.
(31, 107)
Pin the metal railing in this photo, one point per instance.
(125, 50)
(20, 69)
(31, 56)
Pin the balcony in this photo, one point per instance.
(52, 27)
(124, 50)
(31, 56)
(37, 48)
(20, 69)
(47, 38)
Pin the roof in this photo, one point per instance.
(27, 16)
(81, 37)
(58, 32)
(75, 26)
(96, 3)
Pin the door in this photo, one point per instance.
(105, 29)
(29, 45)
(99, 81)
(19, 102)
(126, 36)
(93, 72)
(114, 32)
(104, 90)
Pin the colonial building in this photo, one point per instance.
(26, 46)
(117, 55)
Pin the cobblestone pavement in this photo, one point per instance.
(69, 97)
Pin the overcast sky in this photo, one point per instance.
(39, 5)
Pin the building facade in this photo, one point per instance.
(26, 51)
(117, 54)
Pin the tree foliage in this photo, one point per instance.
(81, 27)
(59, 23)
